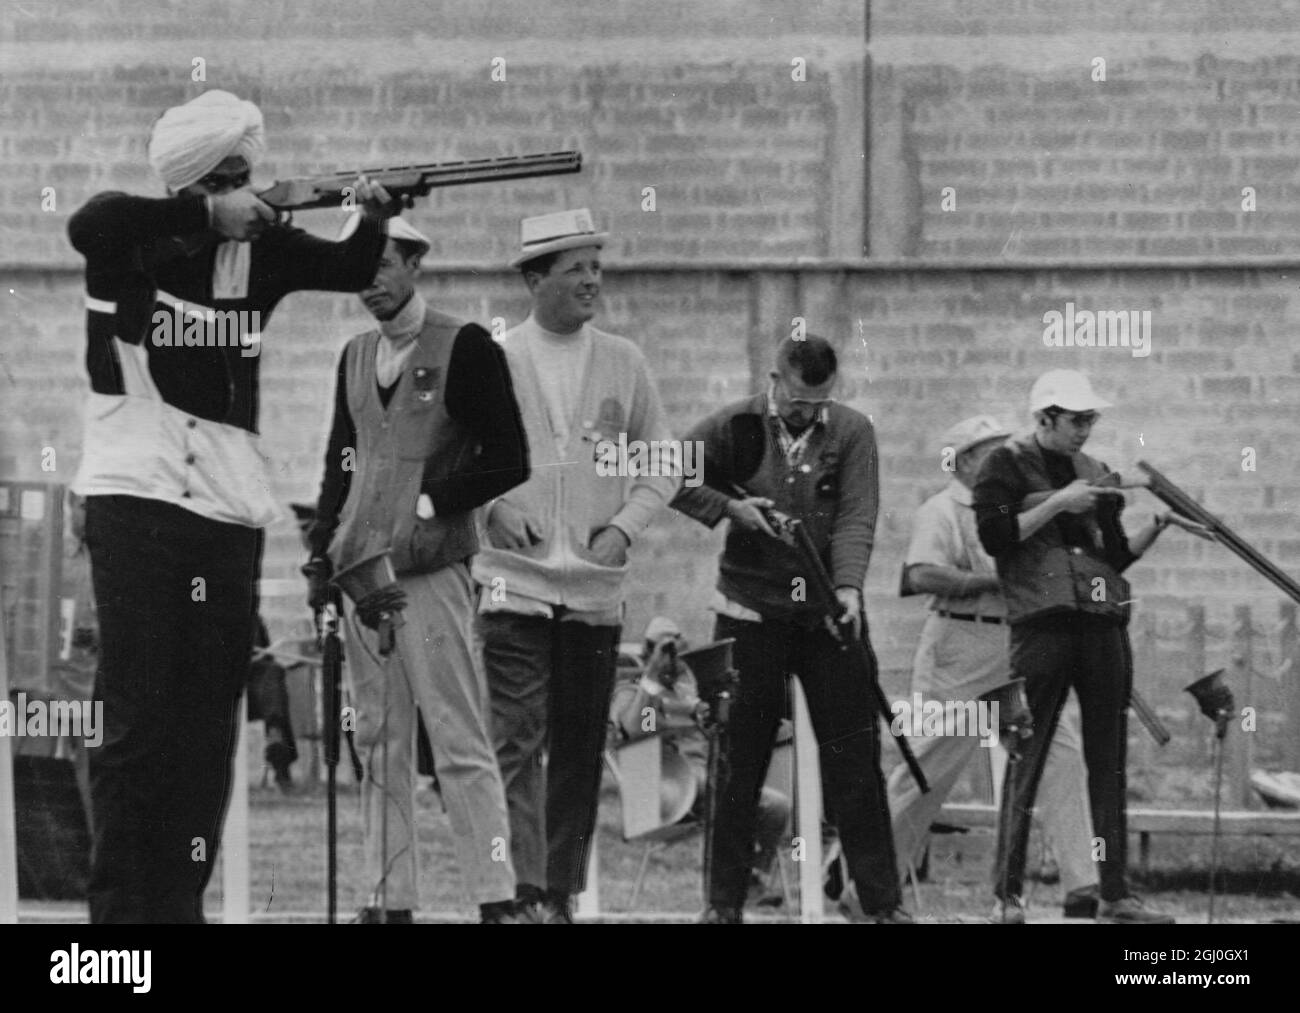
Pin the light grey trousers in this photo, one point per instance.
(437, 666)
(958, 660)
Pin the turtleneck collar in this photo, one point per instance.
(404, 327)
(555, 337)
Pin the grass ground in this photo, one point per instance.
(1259, 878)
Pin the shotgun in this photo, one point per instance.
(792, 531)
(406, 182)
(1188, 508)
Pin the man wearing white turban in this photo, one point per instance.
(190, 141)
(176, 490)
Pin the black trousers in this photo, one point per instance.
(848, 731)
(176, 599)
(1092, 655)
(550, 683)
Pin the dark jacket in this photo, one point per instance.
(1071, 564)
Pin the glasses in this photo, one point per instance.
(800, 402)
(1081, 420)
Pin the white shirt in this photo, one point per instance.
(945, 534)
(561, 364)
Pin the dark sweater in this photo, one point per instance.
(837, 498)
(135, 246)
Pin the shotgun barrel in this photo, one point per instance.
(1181, 503)
(405, 182)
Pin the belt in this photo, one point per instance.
(969, 617)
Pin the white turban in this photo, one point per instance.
(189, 141)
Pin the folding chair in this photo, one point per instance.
(655, 792)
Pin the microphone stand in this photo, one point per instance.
(332, 676)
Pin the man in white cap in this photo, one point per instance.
(1060, 550)
(425, 408)
(176, 490)
(554, 571)
(962, 656)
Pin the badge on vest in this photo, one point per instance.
(425, 381)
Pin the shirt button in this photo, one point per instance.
(790, 480)
(185, 494)
(189, 458)
(1076, 550)
(191, 423)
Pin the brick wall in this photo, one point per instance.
(994, 100)
(920, 350)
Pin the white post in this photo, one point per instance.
(807, 808)
(234, 838)
(998, 760)
(588, 903)
(8, 827)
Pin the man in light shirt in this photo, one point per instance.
(963, 654)
(554, 567)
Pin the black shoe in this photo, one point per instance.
(1081, 903)
(528, 904)
(719, 916)
(499, 912)
(279, 755)
(557, 909)
(373, 916)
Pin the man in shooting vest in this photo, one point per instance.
(795, 449)
(1060, 550)
(426, 430)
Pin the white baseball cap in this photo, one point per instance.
(562, 230)
(973, 431)
(1064, 388)
(398, 228)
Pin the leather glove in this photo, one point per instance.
(318, 571)
(1015, 719)
(380, 604)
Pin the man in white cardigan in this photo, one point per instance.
(554, 565)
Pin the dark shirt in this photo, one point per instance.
(1000, 490)
(478, 394)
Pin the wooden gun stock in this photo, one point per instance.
(406, 182)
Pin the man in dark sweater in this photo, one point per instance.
(795, 449)
(426, 429)
(1055, 533)
(178, 291)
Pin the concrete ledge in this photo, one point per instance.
(1153, 821)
